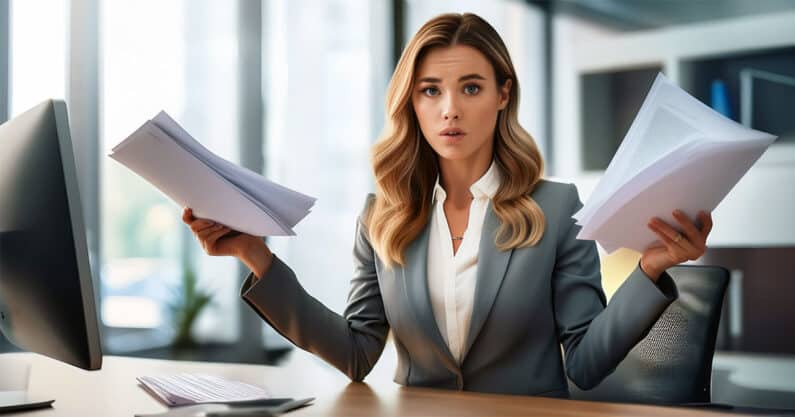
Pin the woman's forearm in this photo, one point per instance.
(257, 257)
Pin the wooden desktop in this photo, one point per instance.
(114, 391)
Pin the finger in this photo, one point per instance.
(202, 234)
(209, 243)
(691, 231)
(664, 227)
(202, 225)
(195, 224)
(674, 250)
(187, 215)
(681, 249)
(656, 245)
(706, 222)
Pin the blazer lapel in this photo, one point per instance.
(415, 279)
(492, 264)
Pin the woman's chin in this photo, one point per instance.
(455, 155)
(459, 150)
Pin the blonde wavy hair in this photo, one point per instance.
(405, 166)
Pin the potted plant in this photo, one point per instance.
(189, 302)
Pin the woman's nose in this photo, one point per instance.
(451, 110)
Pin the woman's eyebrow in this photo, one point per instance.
(473, 76)
(429, 80)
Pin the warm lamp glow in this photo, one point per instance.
(616, 267)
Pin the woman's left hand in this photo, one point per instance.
(673, 247)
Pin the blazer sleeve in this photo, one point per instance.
(352, 343)
(596, 337)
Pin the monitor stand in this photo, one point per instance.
(19, 400)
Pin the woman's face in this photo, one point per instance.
(457, 99)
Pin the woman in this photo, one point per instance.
(464, 252)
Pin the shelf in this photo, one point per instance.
(610, 101)
(760, 87)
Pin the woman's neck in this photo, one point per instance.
(456, 176)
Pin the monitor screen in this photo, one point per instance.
(47, 300)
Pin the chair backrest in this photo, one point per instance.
(673, 363)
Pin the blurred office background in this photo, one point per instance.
(295, 90)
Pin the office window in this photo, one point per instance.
(327, 66)
(38, 52)
(179, 56)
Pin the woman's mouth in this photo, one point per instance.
(451, 131)
(452, 134)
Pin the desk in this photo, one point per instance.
(113, 391)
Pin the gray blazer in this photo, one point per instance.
(528, 302)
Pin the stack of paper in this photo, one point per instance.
(678, 154)
(164, 154)
(184, 389)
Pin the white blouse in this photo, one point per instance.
(451, 278)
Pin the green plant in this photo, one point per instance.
(189, 301)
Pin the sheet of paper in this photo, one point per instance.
(287, 205)
(190, 183)
(678, 154)
(188, 389)
(166, 155)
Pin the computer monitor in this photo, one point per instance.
(46, 291)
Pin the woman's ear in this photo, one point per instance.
(505, 94)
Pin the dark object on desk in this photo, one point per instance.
(19, 400)
(673, 363)
(262, 411)
(255, 408)
(46, 290)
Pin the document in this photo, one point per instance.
(167, 156)
(678, 154)
(187, 389)
(207, 395)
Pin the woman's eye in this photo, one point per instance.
(430, 91)
(471, 89)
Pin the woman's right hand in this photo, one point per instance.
(219, 240)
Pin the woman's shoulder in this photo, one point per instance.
(553, 191)
(369, 202)
(559, 201)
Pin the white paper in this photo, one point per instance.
(164, 154)
(189, 389)
(286, 204)
(678, 154)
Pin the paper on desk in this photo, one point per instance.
(188, 389)
(678, 154)
(164, 154)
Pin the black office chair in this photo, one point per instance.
(673, 363)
